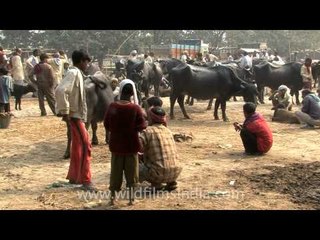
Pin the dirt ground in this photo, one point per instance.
(216, 175)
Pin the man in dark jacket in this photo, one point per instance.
(309, 115)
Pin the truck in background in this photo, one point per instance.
(175, 50)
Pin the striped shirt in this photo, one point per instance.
(160, 154)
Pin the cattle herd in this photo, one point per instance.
(212, 81)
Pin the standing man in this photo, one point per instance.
(306, 74)
(17, 72)
(71, 104)
(255, 133)
(6, 87)
(57, 66)
(245, 61)
(124, 120)
(30, 63)
(45, 82)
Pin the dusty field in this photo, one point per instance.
(215, 173)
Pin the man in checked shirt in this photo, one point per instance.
(159, 153)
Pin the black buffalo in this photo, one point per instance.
(19, 91)
(98, 97)
(288, 74)
(220, 82)
(144, 75)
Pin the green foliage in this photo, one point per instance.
(101, 42)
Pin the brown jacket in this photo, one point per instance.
(44, 74)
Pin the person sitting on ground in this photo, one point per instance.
(309, 115)
(159, 153)
(255, 133)
(281, 98)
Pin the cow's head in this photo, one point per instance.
(249, 92)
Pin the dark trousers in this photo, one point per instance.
(249, 141)
(4, 107)
(129, 164)
(51, 99)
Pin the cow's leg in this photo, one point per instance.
(156, 89)
(94, 126)
(210, 104)
(235, 99)
(19, 103)
(173, 99)
(216, 107)
(188, 100)
(223, 108)
(16, 103)
(181, 104)
(297, 97)
(261, 94)
(67, 152)
(191, 102)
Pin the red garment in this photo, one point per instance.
(257, 125)
(79, 169)
(124, 120)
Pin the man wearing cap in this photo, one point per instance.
(71, 104)
(309, 115)
(281, 98)
(160, 153)
(45, 83)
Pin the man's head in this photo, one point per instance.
(134, 53)
(3, 71)
(61, 52)
(80, 59)
(114, 83)
(154, 102)
(308, 62)
(36, 52)
(127, 91)
(56, 55)
(249, 108)
(44, 57)
(18, 51)
(283, 89)
(157, 115)
(66, 65)
(305, 92)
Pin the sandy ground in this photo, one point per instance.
(216, 175)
